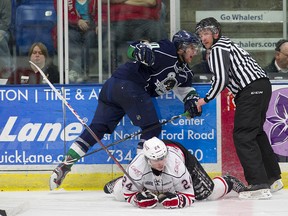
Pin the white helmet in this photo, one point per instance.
(155, 149)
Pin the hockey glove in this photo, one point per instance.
(170, 200)
(144, 54)
(145, 199)
(190, 106)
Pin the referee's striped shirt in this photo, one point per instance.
(232, 67)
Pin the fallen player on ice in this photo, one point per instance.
(167, 174)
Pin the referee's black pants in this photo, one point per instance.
(251, 142)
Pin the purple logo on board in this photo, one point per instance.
(276, 125)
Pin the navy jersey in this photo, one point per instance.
(167, 73)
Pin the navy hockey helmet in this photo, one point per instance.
(208, 23)
(182, 39)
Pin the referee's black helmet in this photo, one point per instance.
(209, 23)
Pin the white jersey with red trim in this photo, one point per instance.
(175, 177)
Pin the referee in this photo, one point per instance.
(234, 68)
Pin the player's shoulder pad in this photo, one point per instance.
(175, 164)
(138, 167)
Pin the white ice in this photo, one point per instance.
(88, 203)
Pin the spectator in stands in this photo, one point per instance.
(5, 55)
(82, 29)
(131, 20)
(280, 60)
(38, 54)
(134, 20)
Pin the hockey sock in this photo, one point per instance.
(74, 153)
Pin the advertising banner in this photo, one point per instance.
(251, 16)
(275, 127)
(277, 122)
(37, 129)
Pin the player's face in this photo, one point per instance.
(189, 53)
(207, 37)
(158, 164)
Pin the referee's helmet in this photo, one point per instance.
(208, 23)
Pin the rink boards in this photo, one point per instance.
(36, 129)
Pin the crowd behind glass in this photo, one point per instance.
(123, 21)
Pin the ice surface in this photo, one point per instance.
(88, 203)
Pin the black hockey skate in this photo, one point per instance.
(236, 184)
(3, 213)
(59, 174)
(108, 188)
(258, 191)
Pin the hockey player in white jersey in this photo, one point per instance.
(165, 173)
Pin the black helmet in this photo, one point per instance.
(209, 23)
(184, 38)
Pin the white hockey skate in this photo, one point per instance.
(59, 174)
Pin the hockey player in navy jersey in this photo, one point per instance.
(166, 173)
(156, 69)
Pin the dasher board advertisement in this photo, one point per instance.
(37, 129)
